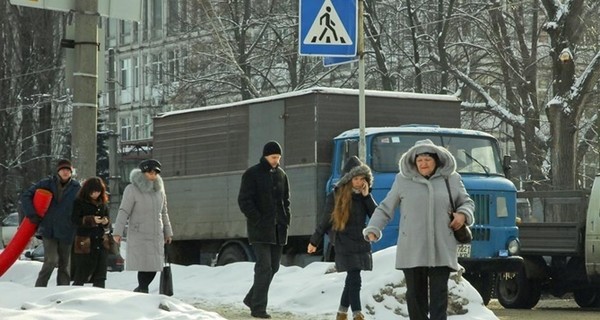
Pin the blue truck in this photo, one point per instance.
(205, 150)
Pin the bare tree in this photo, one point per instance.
(28, 89)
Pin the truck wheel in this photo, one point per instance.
(587, 298)
(518, 292)
(231, 254)
(482, 282)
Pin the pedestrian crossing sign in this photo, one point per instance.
(328, 27)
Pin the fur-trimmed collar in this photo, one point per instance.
(138, 179)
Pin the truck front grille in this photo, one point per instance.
(482, 208)
(481, 234)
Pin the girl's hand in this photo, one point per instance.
(311, 248)
(117, 239)
(365, 189)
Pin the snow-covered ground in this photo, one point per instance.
(296, 293)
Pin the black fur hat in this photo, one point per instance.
(150, 165)
(354, 167)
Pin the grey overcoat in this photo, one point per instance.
(143, 210)
(425, 238)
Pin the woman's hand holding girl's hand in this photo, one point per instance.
(372, 237)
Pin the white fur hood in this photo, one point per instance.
(138, 179)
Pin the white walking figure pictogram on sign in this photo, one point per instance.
(327, 28)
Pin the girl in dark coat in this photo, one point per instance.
(345, 214)
(90, 215)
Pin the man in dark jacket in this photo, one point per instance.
(264, 199)
(56, 228)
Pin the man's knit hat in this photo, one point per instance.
(64, 164)
(271, 147)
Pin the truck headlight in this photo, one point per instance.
(513, 247)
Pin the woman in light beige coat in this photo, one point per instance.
(143, 210)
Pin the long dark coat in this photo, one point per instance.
(352, 251)
(57, 221)
(264, 199)
(89, 267)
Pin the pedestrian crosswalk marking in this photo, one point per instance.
(327, 28)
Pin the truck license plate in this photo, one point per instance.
(464, 250)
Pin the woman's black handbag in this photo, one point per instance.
(464, 234)
(166, 277)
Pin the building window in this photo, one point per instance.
(125, 129)
(173, 61)
(157, 68)
(125, 73)
(173, 19)
(145, 19)
(111, 32)
(125, 32)
(157, 17)
(147, 126)
(136, 127)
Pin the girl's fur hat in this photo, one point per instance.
(354, 167)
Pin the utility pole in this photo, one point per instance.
(362, 144)
(85, 89)
(113, 171)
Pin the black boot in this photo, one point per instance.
(142, 290)
(261, 314)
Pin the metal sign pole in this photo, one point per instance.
(362, 145)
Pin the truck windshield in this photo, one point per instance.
(473, 154)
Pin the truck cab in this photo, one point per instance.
(495, 236)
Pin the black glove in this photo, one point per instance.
(35, 219)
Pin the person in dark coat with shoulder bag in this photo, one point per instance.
(264, 199)
(90, 215)
(56, 228)
(346, 211)
(426, 249)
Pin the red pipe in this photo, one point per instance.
(41, 202)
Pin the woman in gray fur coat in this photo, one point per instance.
(426, 250)
(143, 210)
(344, 217)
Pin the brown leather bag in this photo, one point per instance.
(82, 245)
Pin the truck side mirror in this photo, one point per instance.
(506, 166)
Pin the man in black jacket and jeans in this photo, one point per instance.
(264, 199)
